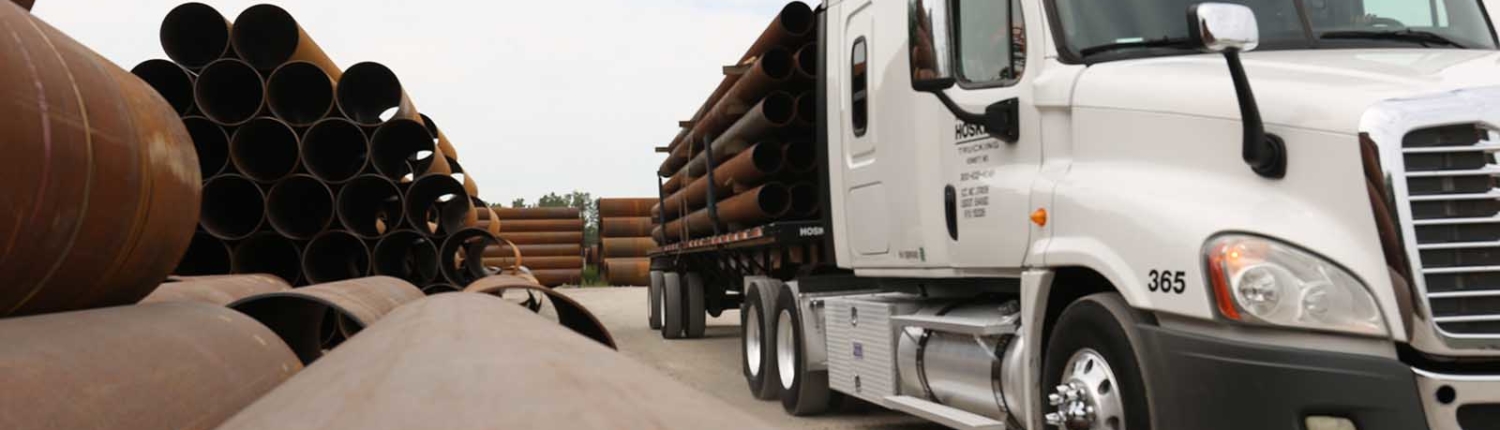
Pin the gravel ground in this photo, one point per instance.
(712, 364)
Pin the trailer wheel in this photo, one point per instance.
(697, 318)
(672, 306)
(756, 351)
(803, 392)
(1092, 376)
(653, 299)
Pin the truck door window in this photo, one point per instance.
(990, 53)
(859, 87)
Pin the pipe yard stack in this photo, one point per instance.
(549, 242)
(625, 226)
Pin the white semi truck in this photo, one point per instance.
(1133, 214)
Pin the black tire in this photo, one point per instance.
(807, 392)
(672, 306)
(697, 318)
(759, 370)
(653, 299)
(1106, 324)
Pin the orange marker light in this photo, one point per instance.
(1039, 217)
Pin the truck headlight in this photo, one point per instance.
(1263, 281)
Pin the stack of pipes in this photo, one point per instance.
(747, 157)
(311, 172)
(548, 241)
(625, 226)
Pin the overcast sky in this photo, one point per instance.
(538, 96)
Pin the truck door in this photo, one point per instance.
(868, 202)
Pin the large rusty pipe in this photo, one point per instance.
(536, 213)
(436, 289)
(804, 200)
(301, 317)
(265, 149)
(443, 145)
(627, 247)
(793, 25)
(569, 312)
(105, 208)
(625, 207)
(801, 156)
(441, 199)
(233, 207)
(628, 271)
(267, 37)
(173, 82)
(462, 255)
(536, 250)
(218, 290)
(195, 34)
(750, 208)
(537, 238)
(300, 207)
(747, 169)
(470, 185)
(300, 93)
(25, 4)
(807, 61)
(774, 112)
(367, 91)
(335, 255)
(211, 143)
(558, 277)
(537, 225)
(674, 182)
(626, 227)
(537, 263)
(398, 145)
(271, 254)
(206, 255)
(770, 70)
(370, 206)
(230, 92)
(335, 150)
(408, 255)
(807, 110)
(157, 366)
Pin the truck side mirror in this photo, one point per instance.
(1219, 27)
(930, 34)
(1231, 29)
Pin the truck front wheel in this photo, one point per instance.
(804, 392)
(1092, 377)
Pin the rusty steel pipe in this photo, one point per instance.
(206, 255)
(536, 250)
(25, 4)
(536, 213)
(211, 143)
(793, 25)
(625, 207)
(300, 93)
(801, 156)
(462, 255)
(441, 199)
(470, 185)
(540, 238)
(271, 254)
(806, 58)
(674, 182)
(769, 71)
(157, 366)
(265, 149)
(537, 263)
(335, 150)
(366, 91)
(300, 207)
(301, 317)
(407, 255)
(233, 207)
(754, 207)
(569, 312)
(436, 289)
(537, 225)
(335, 255)
(194, 35)
(627, 247)
(398, 146)
(807, 110)
(443, 145)
(774, 112)
(747, 169)
(173, 82)
(558, 277)
(230, 92)
(370, 206)
(804, 200)
(628, 271)
(625, 227)
(218, 290)
(266, 36)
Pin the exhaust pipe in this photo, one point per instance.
(266, 36)
(462, 255)
(368, 92)
(218, 290)
(230, 92)
(300, 207)
(440, 199)
(194, 35)
(211, 143)
(206, 255)
(271, 254)
(233, 207)
(370, 206)
(300, 93)
(173, 82)
(399, 147)
(266, 150)
(335, 150)
(334, 256)
(407, 255)
(317, 318)
(775, 112)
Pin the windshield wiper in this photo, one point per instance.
(1165, 42)
(1425, 38)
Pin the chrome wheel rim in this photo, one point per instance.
(786, 350)
(661, 308)
(752, 340)
(1089, 395)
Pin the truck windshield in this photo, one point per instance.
(1105, 30)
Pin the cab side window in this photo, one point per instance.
(989, 53)
(859, 88)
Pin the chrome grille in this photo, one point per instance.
(1454, 203)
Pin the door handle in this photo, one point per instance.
(950, 210)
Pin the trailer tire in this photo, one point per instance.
(697, 317)
(757, 355)
(1099, 329)
(653, 299)
(804, 392)
(672, 306)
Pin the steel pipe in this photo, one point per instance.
(536, 213)
(407, 255)
(403, 148)
(754, 207)
(558, 277)
(674, 183)
(230, 92)
(25, 4)
(440, 199)
(195, 34)
(769, 71)
(807, 110)
(370, 206)
(626, 247)
(211, 143)
(804, 200)
(312, 319)
(436, 289)
(626, 227)
(537, 263)
(335, 150)
(233, 207)
(267, 37)
(747, 169)
(569, 313)
(271, 254)
(537, 225)
(536, 250)
(300, 207)
(173, 82)
(368, 92)
(537, 238)
(462, 255)
(623, 207)
(806, 59)
(218, 290)
(300, 93)
(470, 185)
(628, 271)
(443, 145)
(801, 156)
(158, 366)
(206, 255)
(265, 149)
(793, 25)
(774, 112)
(333, 256)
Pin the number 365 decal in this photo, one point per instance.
(1166, 281)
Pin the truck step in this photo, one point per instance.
(957, 325)
(940, 414)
